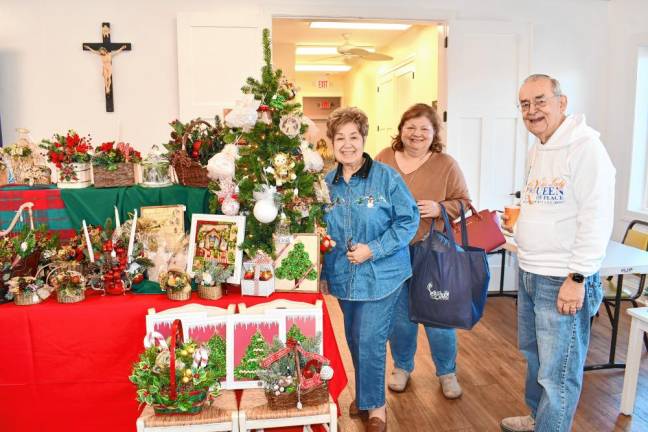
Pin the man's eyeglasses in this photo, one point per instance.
(542, 102)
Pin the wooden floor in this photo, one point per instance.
(491, 371)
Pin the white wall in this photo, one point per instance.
(48, 84)
(628, 25)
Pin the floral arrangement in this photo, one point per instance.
(197, 370)
(202, 142)
(17, 150)
(27, 241)
(175, 281)
(63, 151)
(211, 273)
(69, 283)
(108, 155)
(24, 285)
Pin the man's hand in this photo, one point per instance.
(429, 208)
(359, 254)
(570, 297)
(323, 286)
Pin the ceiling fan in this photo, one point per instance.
(348, 51)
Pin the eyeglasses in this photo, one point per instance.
(538, 103)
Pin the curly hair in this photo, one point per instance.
(342, 116)
(415, 111)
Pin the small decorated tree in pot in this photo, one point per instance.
(210, 277)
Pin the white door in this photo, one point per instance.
(487, 62)
(216, 53)
(385, 111)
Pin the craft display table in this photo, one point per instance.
(66, 366)
(62, 210)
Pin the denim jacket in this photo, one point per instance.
(375, 208)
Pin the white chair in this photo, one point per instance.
(222, 415)
(638, 327)
(254, 414)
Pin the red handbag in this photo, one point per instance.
(482, 228)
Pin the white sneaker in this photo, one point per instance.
(450, 386)
(518, 424)
(398, 380)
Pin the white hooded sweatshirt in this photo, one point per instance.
(567, 208)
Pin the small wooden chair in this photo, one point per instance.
(222, 415)
(254, 413)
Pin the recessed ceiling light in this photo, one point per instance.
(323, 50)
(357, 25)
(322, 68)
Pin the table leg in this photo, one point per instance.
(615, 330)
(501, 292)
(632, 368)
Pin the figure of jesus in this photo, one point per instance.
(106, 60)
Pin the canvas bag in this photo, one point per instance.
(449, 284)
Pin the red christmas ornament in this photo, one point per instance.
(138, 278)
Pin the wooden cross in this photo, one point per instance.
(106, 50)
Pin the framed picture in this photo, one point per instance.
(216, 238)
(172, 222)
(297, 264)
(247, 335)
(162, 322)
(300, 320)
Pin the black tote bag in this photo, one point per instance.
(449, 284)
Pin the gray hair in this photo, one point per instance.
(555, 84)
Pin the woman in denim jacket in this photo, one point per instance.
(372, 217)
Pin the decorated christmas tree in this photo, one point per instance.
(295, 332)
(277, 172)
(297, 265)
(254, 353)
(217, 349)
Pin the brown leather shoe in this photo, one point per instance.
(355, 412)
(376, 425)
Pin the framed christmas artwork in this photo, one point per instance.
(216, 238)
(249, 336)
(171, 221)
(301, 320)
(161, 322)
(297, 264)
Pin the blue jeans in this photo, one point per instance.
(402, 340)
(366, 326)
(555, 347)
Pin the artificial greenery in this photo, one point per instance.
(211, 273)
(263, 142)
(202, 142)
(151, 375)
(109, 155)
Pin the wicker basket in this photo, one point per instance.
(210, 292)
(65, 298)
(124, 175)
(189, 171)
(178, 295)
(197, 397)
(311, 397)
(25, 299)
(27, 266)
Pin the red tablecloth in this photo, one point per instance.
(65, 367)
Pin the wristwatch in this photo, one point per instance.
(577, 277)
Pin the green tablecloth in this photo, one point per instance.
(96, 205)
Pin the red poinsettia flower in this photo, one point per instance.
(82, 148)
(107, 146)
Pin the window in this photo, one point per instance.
(638, 199)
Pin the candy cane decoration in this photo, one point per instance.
(152, 337)
(200, 357)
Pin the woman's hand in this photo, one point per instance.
(429, 208)
(323, 286)
(359, 254)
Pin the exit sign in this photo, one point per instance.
(322, 84)
(325, 104)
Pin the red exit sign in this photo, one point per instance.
(325, 105)
(322, 84)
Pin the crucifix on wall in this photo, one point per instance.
(106, 50)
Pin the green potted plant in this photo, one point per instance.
(210, 277)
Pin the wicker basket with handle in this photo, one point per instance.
(124, 175)
(189, 171)
(197, 396)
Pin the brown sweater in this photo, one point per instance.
(439, 179)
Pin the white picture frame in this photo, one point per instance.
(221, 247)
